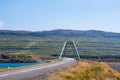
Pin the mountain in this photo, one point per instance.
(90, 42)
(61, 33)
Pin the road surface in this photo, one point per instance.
(33, 71)
(115, 66)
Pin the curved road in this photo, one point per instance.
(35, 70)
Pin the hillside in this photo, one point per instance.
(62, 33)
(89, 42)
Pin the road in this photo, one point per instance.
(115, 66)
(33, 71)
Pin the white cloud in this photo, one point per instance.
(1, 23)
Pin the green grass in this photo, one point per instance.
(50, 45)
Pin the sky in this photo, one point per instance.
(40, 15)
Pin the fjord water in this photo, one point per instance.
(13, 65)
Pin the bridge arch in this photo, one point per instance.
(72, 45)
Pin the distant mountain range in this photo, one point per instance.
(61, 33)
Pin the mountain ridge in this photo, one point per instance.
(62, 33)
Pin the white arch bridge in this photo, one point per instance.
(69, 46)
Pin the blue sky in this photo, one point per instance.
(39, 15)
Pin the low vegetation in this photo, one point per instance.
(51, 42)
(17, 58)
(90, 44)
(86, 71)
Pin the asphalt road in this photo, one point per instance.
(115, 66)
(33, 71)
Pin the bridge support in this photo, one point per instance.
(72, 45)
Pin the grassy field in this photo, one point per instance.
(49, 45)
(85, 70)
(89, 42)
